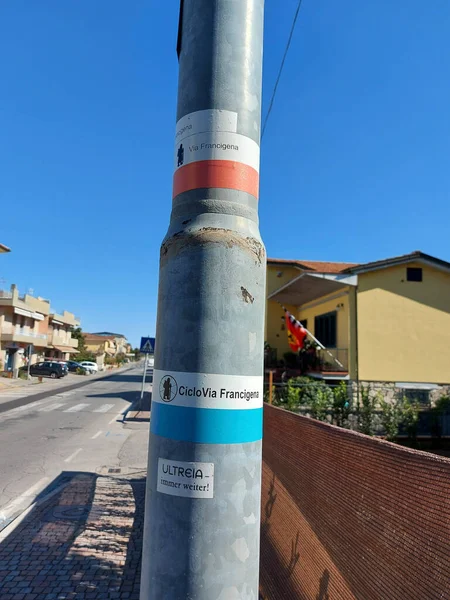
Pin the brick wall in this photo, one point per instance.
(346, 517)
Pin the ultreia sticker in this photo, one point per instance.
(186, 479)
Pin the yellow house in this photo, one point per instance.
(385, 321)
(100, 344)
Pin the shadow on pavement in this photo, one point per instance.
(127, 396)
(82, 540)
(124, 378)
(134, 399)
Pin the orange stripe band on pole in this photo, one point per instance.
(216, 174)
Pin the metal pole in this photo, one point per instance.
(201, 533)
(29, 362)
(143, 380)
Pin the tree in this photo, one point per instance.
(77, 334)
(83, 352)
(120, 358)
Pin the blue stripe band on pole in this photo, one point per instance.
(206, 425)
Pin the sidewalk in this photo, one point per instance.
(83, 542)
(140, 411)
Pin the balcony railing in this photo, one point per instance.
(333, 360)
(58, 340)
(66, 340)
(28, 333)
(12, 331)
(5, 294)
(311, 360)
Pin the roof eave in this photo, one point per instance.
(400, 260)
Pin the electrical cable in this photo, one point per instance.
(294, 22)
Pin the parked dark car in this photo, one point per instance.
(47, 368)
(64, 366)
(73, 365)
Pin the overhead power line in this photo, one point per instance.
(294, 22)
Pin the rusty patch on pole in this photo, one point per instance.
(246, 295)
(182, 240)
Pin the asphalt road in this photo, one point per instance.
(76, 430)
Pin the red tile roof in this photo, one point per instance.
(338, 267)
(417, 255)
(313, 265)
(100, 338)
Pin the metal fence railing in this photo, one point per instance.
(371, 409)
(333, 360)
(312, 360)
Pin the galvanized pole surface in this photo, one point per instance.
(201, 534)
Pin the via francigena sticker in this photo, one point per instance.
(207, 390)
(187, 479)
(212, 135)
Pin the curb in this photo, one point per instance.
(20, 515)
(135, 408)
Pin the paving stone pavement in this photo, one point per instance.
(83, 543)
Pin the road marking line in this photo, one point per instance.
(12, 506)
(76, 408)
(20, 409)
(72, 456)
(96, 435)
(116, 418)
(52, 407)
(104, 408)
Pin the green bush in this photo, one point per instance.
(390, 419)
(23, 375)
(410, 418)
(86, 355)
(81, 371)
(366, 410)
(341, 405)
(399, 412)
(441, 407)
(321, 400)
(442, 404)
(290, 360)
(292, 395)
(309, 393)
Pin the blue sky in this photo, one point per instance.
(355, 158)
